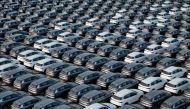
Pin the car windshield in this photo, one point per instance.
(144, 84)
(117, 98)
(130, 57)
(171, 85)
(165, 72)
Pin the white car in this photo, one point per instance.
(64, 36)
(32, 60)
(48, 48)
(177, 85)
(21, 57)
(163, 22)
(133, 33)
(116, 19)
(62, 25)
(136, 25)
(154, 49)
(42, 65)
(4, 61)
(185, 7)
(92, 21)
(173, 72)
(157, 7)
(168, 42)
(126, 96)
(122, 12)
(163, 15)
(7, 67)
(152, 83)
(101, 106)
(135, 57)
(104, 36)
(40, 43)
(167, 4)
(175, 11)
(150, 20)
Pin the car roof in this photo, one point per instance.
(65, 33)
(133, 64)
(104, 33)
(173, 99)
(86, 73)
(92, 19)
(80, 87)
(57, 85)
(96, 58)
(39, 81)
(171, 68)
(94, 106)
(44, 102)
(150, 79)
(62, 23)
(5, 66)
(107, 75)
(3, 59)
(15, 71)
(51, 43)
(153, 46)
(91, 94)
(24, 99)
(121, 80)
(175, 81)
(33, 56)
(42, 40)
(3, 94)
(145, 69)
(112, 63)
(153, 93)
(25, 76)
(84, 54)
(123, 92)
(27, 51)
(44, 61)
(134, 54)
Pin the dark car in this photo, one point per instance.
(83, 43)
(82, 20)
(112, 66)
(58, 52)
(119, 54)
(174, 24)
(149, 27)
(71, 106)
(59, 90)
(62, 16)
(78, 91)
(126, 22)
(83, 30)
(154, 98)
(3, 31)
(157, 39)
(40, 31)
(48, 6)
(40, 5)
(96, 63)
(50, 103)
(90, 13)
(15, 51)
(73, 18)
(50, 14)
(57, 8)
(79, 11)
(185, 27)
(36, 26)
(92, 33)
(31, 10)
(32, 19)
(91, 97)
(17, 38)
(172, 33)
(22, 17)
(153, 59)
(54, 22)
(3, 20)
(24, 26)
(132, 68)
(145, 36)
(147, 72)
(110, 27)
(175, 102)
(132, 106)
(184, 35)
(70, 73)
(11, 24)
(187, 63)
(185, 44)
(101, 24)
(116, 40)
(44, 21)
(140, 46)
(73, 27)
(6, 47)
(65, 3)
(128, 43)
(69, 56)
(93, 47)
(167, 62)
(160, 30)
(14, 31)
(171, 51)
(4, 12)
(5, 88)
(27, 102)
(52, 34)
(30, 40)
(40, 12)
(12, 15)
(121, 30)
(183, 55)
(106, 50)
(22, 82)
(68, 10)
(23, 9)
(55, 69)
(39, 86)
(106, 79)
(88, 77)
(83, 58)
(71, 41)
(9, 97)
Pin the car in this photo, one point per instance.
(5, 88)
(32, 19)
(36, 26)
(70, 73)
(121, 84)
(77, 92)
(44, 21)
(116, 40)
(6, 47)
(62, 25)
(126, 96)
(135, 57)
(51, 103)
(9, 77)
(101, 24)
(57, 8)
(27, 102)
(17, 50)
(154, 49)
(106, 50)
(24, 26)
(93, 47)
(4, 61)
(9, 97)
(140, 46)
(83, 58)
(83, 43)
(101, 105)
(147, 72)
(91, 97)
(177, 85)
(172, 51)
(167, 62)
(3, 20)
(58, 52)
(105, 80)
(21, 57)
(152, 83)
(127, 43)
(23, 9)
(119, 54)
(185, 44)
(116, 19)
(13, 32)
(63, 37)
(40, 31)
(175, 25)
(185, 7)
(55, 69)
(132, 106)
(11, 24)
(50, 14)
(54, 22)
(30, 40)
(136, 25)
(71, 41)
(12, 15)
(110, 27)
(82, 20)
(73, 18)
(157, 39)
(173, 72)
(17, 38)
(39, 44)
(48, 48)
(3, 31)
(133, 33)
(183, 55)
(150, 20)
(88, 77)
(22, 82)
(113, 66)
(172, 32)
(154, 98)
(39, 86)
(73, 27)
(83, 30)
(5, 12)
(175, 102)
(22, 17)
(92, 33)
(59, 90)
(52, 34)
(71, 106)
(31, 10)
(121, 30)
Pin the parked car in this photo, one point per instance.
(30, 40)
(39, 44)
(167, 62)
(135, 57)
(17, 50)
(171, 51)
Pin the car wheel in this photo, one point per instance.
(137, 61)
(42, 93)
(185, 74)
(106, 41)
(5, 107)
(140, 98)
(179, 92)
(156, 107)
(26, 89)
